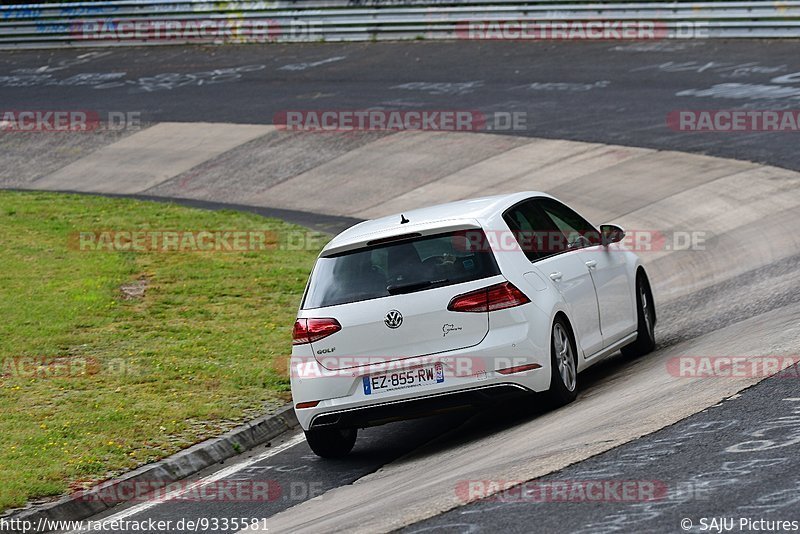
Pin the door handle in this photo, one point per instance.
(591, 264)
(555, 277)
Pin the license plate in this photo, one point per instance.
(410, 378)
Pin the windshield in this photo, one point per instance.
(400, 267)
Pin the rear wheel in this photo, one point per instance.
(331, 442)
(645, 332)
(563, 365)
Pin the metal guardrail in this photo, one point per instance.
(158, 22)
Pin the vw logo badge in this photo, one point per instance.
(393, 319)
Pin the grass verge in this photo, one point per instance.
(113, 359)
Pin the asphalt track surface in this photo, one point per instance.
(289, 471)
(609, 92)
(729, 461)
(615, 93)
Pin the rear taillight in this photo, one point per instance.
(311, 330)
(496, 297)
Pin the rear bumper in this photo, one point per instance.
(471, 376)
(399, 410)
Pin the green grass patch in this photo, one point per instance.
(95, 379)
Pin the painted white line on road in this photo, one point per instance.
(304, 66)
(219, 475)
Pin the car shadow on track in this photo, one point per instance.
(473, 424)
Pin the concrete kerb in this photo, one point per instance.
(176, 467)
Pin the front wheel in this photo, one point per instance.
(331, 442)
(645, 332)
(563, 365)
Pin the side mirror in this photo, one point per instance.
(611, 233)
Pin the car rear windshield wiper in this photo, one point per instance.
(397, 289)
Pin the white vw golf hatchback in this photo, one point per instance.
(459, 304)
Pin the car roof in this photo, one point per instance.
(441, 215)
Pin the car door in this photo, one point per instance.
(607, 267)
(564, 267)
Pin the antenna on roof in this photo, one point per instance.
(403, 219)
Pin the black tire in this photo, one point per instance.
(331, 442)
(645, 311)
(563, 365)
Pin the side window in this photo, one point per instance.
(535, 232)
(573, 226)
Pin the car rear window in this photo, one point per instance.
(405, 266)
